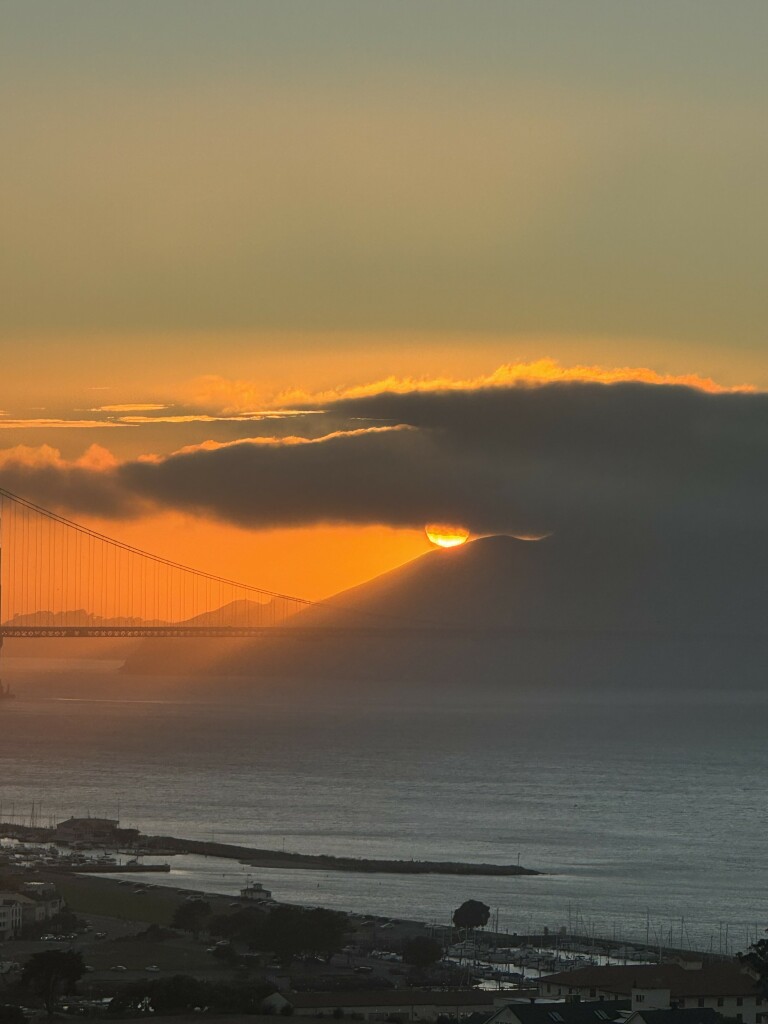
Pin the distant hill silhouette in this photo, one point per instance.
(561, 611)
(236, 613)
(501, 582)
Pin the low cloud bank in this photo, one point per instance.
(672, 460)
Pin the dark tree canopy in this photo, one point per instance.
(245, 924)
(471, 914)
(181, 993)
(756, 959)
(191, 915)
(422, 952)
(284, 931)
(291, 931)
(51, 972)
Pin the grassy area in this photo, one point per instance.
(174, 956)
(89, 895)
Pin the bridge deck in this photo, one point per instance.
(300, 632)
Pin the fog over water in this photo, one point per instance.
(637, 807)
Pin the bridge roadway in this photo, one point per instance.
(300, 632)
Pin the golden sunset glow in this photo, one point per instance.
(238, 318)
(443, 535)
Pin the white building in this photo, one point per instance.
(255, 891)
(40, 901)
(10, 915)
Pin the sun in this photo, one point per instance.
(446, 535)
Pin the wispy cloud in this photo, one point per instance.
(57, 423)
(130, 407)
(246, 417)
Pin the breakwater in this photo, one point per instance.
(260, 858)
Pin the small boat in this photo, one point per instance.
(6, 693)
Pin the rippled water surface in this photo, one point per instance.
(647, 812)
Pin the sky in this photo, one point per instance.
(283, 279)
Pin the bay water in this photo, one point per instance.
(645, 812)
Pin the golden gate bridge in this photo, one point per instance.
(61, 579)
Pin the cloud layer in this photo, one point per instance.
(570, 455)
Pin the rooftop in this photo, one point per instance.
(695, 1016)
(720, 979)
(569, 1013)
(390, 997)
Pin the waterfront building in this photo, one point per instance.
(94, 832)
(723, 986)
(255, 891)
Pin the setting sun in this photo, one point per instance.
(443, 535)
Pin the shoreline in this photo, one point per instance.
(94, 894)
(261, 858)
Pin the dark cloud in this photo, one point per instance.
(572, 456)
(68, 488)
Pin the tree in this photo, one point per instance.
(181, 993)
(421, 952)
(65, 921)
(190, 916)
(324, 931)
(52, 972)
(165, 996)
(245, 925)
(756, 961)
(290, 931)
(471, 914)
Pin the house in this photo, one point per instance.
(409, 1004)
(572, 1012)
(722, 986)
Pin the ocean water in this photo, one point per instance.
(645, 812)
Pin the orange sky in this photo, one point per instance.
(311, 562)
(284, 202)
